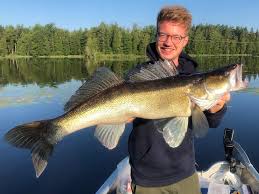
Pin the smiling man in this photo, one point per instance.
(156, 167)
(172, 33)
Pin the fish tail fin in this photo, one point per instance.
(37, 136)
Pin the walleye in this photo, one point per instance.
(107, 102)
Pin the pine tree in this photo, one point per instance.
(116, 39)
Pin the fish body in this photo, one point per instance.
(107, 102)
(149, 100)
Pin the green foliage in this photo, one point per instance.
(107, 39)
(3, 45)
(116, 39)
(223, 40)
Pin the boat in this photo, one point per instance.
(234, 175)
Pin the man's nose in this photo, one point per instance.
(168, 42)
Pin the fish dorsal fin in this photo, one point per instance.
(109, 135)
(158, 70)
(102, 79)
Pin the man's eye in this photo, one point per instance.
(163, 35)
(177, 37)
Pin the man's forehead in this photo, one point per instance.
(174, 25)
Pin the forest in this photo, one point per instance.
(111, 39)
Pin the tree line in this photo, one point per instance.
(109, 39)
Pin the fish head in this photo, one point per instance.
(225, 79)
(236, 78)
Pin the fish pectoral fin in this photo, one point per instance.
(174, 131)
(206, 103)
(109, 135)
(199, 122)
(160, 123)
(102, 79)
(160, 69)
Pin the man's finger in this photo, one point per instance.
(226, 97)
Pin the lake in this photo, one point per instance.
(36, 89)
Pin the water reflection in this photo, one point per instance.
(52, 72)
(253, 90)
(41, 71)
(21, 95)
(27, 81)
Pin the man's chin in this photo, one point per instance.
(167, 57)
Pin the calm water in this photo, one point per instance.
(38, 89)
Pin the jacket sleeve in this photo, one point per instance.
(214, 119)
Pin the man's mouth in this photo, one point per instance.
(167, 49)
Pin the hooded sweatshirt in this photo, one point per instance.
(153, 162)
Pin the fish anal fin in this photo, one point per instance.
(109, 135)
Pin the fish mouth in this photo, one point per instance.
(236, 80)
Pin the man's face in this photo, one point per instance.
(171, 39)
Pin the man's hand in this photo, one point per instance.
(221, 102)
(130, 120)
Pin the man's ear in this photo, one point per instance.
(186, 40)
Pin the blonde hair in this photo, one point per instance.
(176, 14)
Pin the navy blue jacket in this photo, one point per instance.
(153, 162)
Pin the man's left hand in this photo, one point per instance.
(221, 102)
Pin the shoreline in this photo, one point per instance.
(117, 56)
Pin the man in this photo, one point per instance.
(155, 167)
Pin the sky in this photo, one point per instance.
(76, 14)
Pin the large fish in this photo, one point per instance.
(107, 102)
